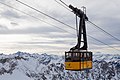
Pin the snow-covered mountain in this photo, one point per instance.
(25, 66)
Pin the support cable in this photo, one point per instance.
(95, 25)
(36, 18)
(103, 43)
(44, 14)
(63, 5)
(104, 30)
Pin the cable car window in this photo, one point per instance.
(85, 56)
(76, 57)
(88, 56)
(74, 54)
(91, 56)
(82, 57)
(77, 54)
(68, 56)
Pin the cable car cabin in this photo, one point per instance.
(78, 61)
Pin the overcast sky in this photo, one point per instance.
(20, 32)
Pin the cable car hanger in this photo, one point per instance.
(82, 28)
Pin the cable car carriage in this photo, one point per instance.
(79, 58)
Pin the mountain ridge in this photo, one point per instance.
(51, 67)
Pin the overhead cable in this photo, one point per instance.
(63, 5)
(44, 13)
(104, 30)
(95, 24)
(103, 43)
(36, 18)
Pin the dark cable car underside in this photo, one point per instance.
(79, 58)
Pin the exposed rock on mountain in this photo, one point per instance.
(25, 66)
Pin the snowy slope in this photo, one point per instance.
(25, 66)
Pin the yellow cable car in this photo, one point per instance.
(78, 58)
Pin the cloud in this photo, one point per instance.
(104, 13)
(10, 14)
(2, 27)
(31, 30)
(14, 23)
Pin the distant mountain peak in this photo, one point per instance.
(26, 66)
